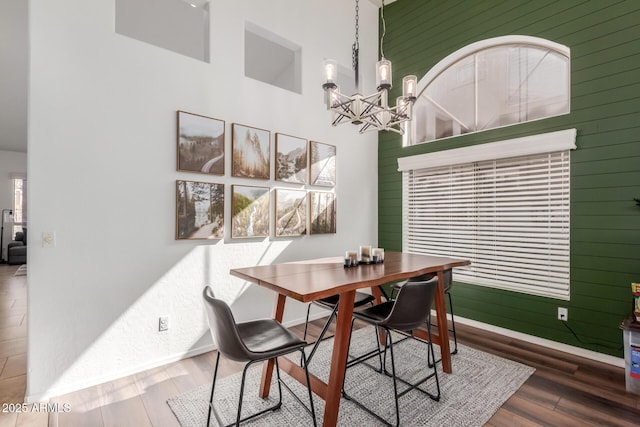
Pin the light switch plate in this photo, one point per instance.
(49, 239)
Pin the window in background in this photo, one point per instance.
(19, 204)
(489, 84)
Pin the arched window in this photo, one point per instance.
(489, 84)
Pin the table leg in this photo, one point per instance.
(339, 358)
(267, 368)
(443, 329)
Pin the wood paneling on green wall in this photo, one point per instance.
(604, 38)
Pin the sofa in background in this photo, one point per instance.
(17, 248)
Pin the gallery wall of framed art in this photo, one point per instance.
(280, 190)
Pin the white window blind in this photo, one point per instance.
(509, 216)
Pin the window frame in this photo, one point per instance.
(18, 225)
(472, 49)
(548, 144)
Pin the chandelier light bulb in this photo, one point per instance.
(330, 72)
(383, 74)
(409, 84)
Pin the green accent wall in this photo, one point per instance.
(604, 38)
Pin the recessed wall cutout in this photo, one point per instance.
(272, 59)
(177, 25)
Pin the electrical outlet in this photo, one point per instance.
(563, 314)
(163, 323)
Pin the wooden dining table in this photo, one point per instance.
(310, 280)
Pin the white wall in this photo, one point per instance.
(10, 162)
(13, 75)
(102, 172)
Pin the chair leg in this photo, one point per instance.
(393, 374)
(272, 408)
(325, 328)
(306, 322)
(388, 344)
(453, 326)
(244, 375)
(213, 387)
(306, 373)
(429, 362)
(275, 407)
(430, 351)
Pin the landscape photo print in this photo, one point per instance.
(291, 212)
(199, 210)
(291, 159)
(323, 164)
(200, 144)
(323, 212)
(250, 211)
(250, 152)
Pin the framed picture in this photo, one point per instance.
(250, 211)
(323, 212)
(200, 144)
(323, 164)
(291, 159)
(291, 212)
(250, 152)
(199, 210)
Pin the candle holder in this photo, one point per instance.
(365, 254)
(350, 259)
(377, 255)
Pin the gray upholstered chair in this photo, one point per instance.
(251, 342)
(448, 284)
(409, 311)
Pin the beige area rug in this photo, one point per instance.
(479, 385)
(21, 271)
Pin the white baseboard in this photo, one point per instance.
(90, 382)
(577, 351)
(319, 313)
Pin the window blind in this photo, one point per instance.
(510, 217)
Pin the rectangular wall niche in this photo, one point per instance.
(272, 59)
(178, 25)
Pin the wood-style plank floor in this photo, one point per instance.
(565, 390)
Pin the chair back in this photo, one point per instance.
(413, 304)
(224, 330)
(447, 275)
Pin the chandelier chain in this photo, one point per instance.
(384, 31)
(355, 49)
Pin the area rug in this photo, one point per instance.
(479, 385)
(21, 271)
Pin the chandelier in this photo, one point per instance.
(373, 111)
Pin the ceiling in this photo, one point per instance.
(14, 72)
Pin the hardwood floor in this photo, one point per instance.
(565, 390)
(13, 348)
